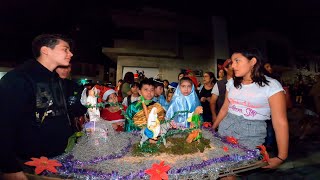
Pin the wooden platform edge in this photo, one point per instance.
(241, 169)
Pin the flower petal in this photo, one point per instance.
(39, 169)
(165, 168)
(54, 163)
(42, 158)
(32, 163)
(151, 171)
(35, 159)
(155, 177)
(51, 169)
(164, 175)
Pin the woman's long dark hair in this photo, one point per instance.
(257, 74)
(214, 80)
(128, 78)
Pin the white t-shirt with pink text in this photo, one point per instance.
(251, 100)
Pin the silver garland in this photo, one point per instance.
(92, 146)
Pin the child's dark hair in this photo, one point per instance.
(135, 84)
(158, 82)
(185, 79)
(146, 82)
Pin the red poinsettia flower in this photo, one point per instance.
(158, 171)
(43, 163)
(232, 140)
(207, 124)
(225, 148)
(264, 153)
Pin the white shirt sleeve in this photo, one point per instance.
(125, 101)
(229, 84)
(215, 90)
(274, 87)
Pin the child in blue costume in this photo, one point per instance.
(184, 99)
(158, 94)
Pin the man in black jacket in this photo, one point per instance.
(33, 109)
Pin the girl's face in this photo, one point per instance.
(221, 73)
(169, 97)
(165, 84)
(268, 68)
(134, 89)
(185, 88)
(242, 66)
(206, 78)
(147, 91)
(112, 98)
(158, 91)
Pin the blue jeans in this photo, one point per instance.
(270, 139)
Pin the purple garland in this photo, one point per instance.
(68, 164)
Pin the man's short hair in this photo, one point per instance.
(48, 40)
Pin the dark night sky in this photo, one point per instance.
(21, 21)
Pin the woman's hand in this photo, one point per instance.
(273, 163)
(203, 99)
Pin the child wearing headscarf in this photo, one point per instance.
(184, 99)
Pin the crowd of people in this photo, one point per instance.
(46, 108)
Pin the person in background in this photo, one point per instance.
(219, 90)
(125, 86)
(117, 89)
(221, 74)
(36, 122)
(169, 96)
(72, 94)
(158, 93)
(270, 139)
(165, 87)
(180, 75)
(134, 96)
(251, 98)
(205, 95)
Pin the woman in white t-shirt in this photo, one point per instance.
(251, 98)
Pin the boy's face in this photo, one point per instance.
(185, 88)
(60, 55)
(147, 91)
(158, 91)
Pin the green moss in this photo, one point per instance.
(175, 145)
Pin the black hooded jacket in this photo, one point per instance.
(34, 117)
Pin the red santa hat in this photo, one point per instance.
(108, 93)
